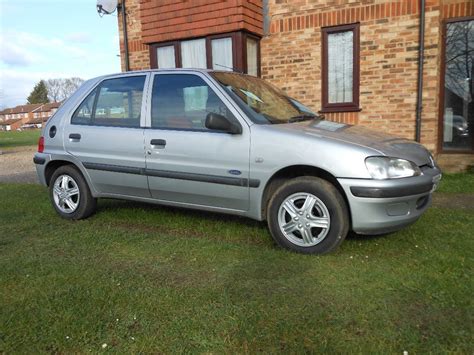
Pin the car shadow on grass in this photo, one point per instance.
(189, 223)
(111, 205)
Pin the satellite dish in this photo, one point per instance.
(106, 7)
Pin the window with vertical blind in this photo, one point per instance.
(252, 56)
(340, 68)
(193, 54)
(222, 53)
(166, 58)
(235, 51)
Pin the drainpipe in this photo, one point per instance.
(421, 57)
(125, 36)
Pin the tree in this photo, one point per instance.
(60, 89)
(39, 95)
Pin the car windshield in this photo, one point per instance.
(263, 102)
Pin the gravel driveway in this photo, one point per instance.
(16, 165)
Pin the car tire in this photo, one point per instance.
(308, 215)
(70, 194)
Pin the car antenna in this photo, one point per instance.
(231, 68)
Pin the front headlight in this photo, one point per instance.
(381, 168)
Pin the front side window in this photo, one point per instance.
(458, 96)
(340, 89)
(116, 102)
(183, 101)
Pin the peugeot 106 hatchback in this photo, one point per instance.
(231, 143)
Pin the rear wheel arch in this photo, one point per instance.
(294, 171)
(54, 165)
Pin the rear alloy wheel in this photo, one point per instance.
(308, 215)
(70, 195)
(66, 194)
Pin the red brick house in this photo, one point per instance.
(31, 116)
(14, 118)
(43, 113)
(357, 62)
(11, 124)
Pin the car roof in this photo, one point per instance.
(145, 71)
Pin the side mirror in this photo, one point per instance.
(217, 122)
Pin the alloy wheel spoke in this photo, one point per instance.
(70, 203)
(290, 227)
(64, 182)
(307, 236)
(319, 222)
(72, 191)
(57, 190)
(308, 204)
(290, 207)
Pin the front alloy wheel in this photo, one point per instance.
(308, 215)
(304, 219)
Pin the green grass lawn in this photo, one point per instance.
(13, 139)
(143, 278)
(457, 183)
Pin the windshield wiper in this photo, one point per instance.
(302, 118)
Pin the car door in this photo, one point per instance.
(187, 163)
(106, 135)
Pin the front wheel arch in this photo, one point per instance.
(295, 171)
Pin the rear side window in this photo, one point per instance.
(182, 101)
(115, 102)
(83, 114)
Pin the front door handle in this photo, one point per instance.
(160, 143)
(75, 137)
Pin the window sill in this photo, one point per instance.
(453, 152)
(340, 109)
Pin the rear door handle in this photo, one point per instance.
(75, 136)
(161, 143)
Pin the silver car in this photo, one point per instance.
(231, 143)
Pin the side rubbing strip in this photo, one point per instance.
(254, 183)
(213, 179)
(114, 168)
(224, 180)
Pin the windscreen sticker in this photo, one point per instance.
(329, 126)
(251, 95)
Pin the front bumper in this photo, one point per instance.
(384, 206)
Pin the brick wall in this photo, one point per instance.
(178, 19)
(291, 51)
(138, 51)
(151, 21)
(291, 59)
